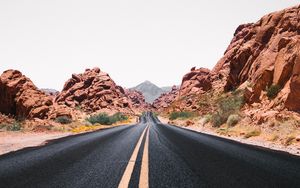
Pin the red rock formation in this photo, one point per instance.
(195, 82)
(137, 100)
(292, 102)
(266, 53)
(4, 119)
(260, 55)
(93, 90)
(166, 99)
(20, 97)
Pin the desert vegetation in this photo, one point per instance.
(105, 119)
(63, 120)
(181, 115)
(228, 109)
(273, 91)
(15, 126)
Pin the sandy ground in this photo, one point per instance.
(12, 141)
(293, 149)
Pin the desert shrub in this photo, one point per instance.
(117, 117)
(233, 119)
(217, 120)
(253, 133)
(273, 91)
(227, 106)
(232, 103)
(105, 119)
(63, 120)
(16, 126)
(182, 115)
(2, 125)
(207, 118)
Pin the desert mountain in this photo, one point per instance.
(150, 90)
(51, 92)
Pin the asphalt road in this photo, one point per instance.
(172, 157)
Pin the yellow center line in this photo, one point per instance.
(129, 169)
(144, 176)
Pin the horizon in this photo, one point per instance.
(48, 41)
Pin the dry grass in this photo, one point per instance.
(273, 137)
(289, 140)
(253, 133)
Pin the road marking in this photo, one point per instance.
(144, 176)
(124, 183)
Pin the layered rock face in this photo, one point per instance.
(137, 100)
(93, 90)
(166, 99)
(21, 98)
(195, 82)
(266, 53)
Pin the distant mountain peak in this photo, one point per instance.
(149, 90)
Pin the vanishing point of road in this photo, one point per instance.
(149, 154)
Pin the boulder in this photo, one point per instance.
(93, 90)
(166, 99)
(196, 81)
(21, 98)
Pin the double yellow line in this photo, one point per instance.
(144, 175)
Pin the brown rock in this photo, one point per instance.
(93, 90)
(20, 97)
(166, 99)
(137, 100)
(292, 101)
(266, 53)
(196, 81)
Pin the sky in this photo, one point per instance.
(132, 40)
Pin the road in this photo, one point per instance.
(149, 154)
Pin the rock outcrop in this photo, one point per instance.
(137, 100)
(166, 99)
(92, 91)
(262, 59)
(21, 98)
(266, 53)
(195, 82)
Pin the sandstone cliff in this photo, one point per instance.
(261, 56)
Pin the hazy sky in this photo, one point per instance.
(132, 40)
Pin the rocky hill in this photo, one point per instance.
(165, 99)
(262, 64)
(20, 98)
(137, 100)
(92, 91)
(150, 91)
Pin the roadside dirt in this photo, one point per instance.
(15, 140)
(260, 140)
